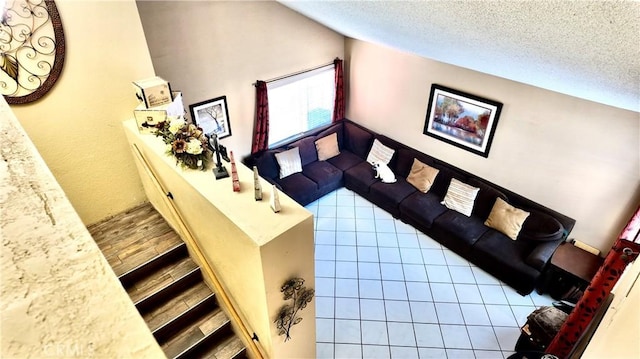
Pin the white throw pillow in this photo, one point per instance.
(289, 162)
(380, 153)
(460, 197)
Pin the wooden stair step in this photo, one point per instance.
(164, 293)
(168, 275)
(228, 348)
(204, 331)
(179, 322)
(177, 305)
(153, 265)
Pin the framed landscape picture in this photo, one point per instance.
(212, 116)
(461, 119)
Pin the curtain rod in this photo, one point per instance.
(298, 73)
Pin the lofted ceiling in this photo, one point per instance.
(586, 49)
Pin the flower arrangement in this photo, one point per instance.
(186, 142)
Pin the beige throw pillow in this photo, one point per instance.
(289, 162)
(380, 153)
(422, 176)
(460, 197)
(327, 147)
(506, 218)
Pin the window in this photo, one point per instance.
(300, 103)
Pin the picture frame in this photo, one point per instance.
(461, 119)
(212, 116)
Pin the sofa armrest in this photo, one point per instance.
(541, 254)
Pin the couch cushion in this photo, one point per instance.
(506, 218)
(541, 227)
(299, 187)
(323, 173)
(460, 197)
(360, 177)
(405, 159)
(486, 198)
(335, 128)
(345, 160)
(327, 147)
(289, 162)
(267, 164)
(307, 148)
(443, 179)
(357, 140)
(380, 153)
(422, 176)
(498, 254)
(389, 195)
(459, 228)
(422, 207)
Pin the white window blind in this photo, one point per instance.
(300, 103)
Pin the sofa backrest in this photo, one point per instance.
(357, 139)
(336, 128)
(267, 163)
(486, 197)
(307, 148)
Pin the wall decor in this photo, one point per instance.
(294, 290)
(32, 49)
(257, 186)
(212, 116)
(274, 201)
(461, 119)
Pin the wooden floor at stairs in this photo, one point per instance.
(166, 286)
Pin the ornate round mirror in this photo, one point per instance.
(31, 49)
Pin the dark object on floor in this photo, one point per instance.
(531, 355)
(564, 305)
(541, 327)
(569, 272)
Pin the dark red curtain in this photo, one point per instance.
(338, 106)
(597, 291)
(261, 129)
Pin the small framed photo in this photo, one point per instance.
(461, 119)
(212, 116)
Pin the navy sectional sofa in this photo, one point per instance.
(518, 263)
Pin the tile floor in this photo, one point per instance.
(385, 290)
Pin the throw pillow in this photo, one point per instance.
(506, 218)
(289, 162)
(460, 197)
(422, 176)
(380, 153)
(327, 147)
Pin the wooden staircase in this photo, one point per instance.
(166, 286)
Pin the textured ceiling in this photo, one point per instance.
(586, 49)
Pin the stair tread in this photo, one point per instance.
(164, 276)
(229, 348)
(177, 305)
(207, 324)
(130, 238)
(137, 245)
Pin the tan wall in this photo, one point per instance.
(575, 156)
(77, 126)
(252, 250)
(208, 49)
